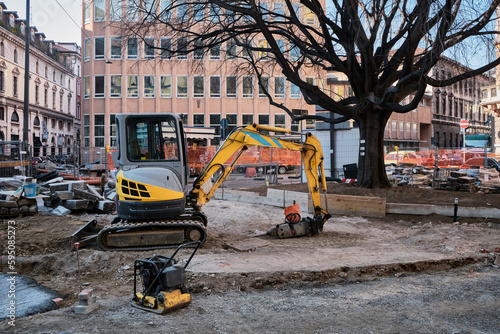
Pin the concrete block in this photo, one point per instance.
(63, 195)
(26, 201)
(96, 192)
(83, 309)
(67, 186)
(83, 194)
(106, 206)
(8, 204)
(76, 204)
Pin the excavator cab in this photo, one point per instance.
(152, 157)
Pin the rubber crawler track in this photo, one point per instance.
(138, 226)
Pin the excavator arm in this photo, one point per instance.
(243, 138)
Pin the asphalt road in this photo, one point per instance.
(459, 301)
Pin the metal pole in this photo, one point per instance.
(27, 34)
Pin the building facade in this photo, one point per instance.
(451, 104)
(52, 107)
(126, 74)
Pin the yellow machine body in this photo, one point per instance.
(164, 302)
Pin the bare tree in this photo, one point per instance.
(386, 48)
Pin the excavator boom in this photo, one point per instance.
(243, 138)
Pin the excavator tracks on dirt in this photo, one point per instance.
(138, 236)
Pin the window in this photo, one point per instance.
(264, 119)
(198, 86)
(46, 72)
(36, 121)
(309, 17)
(231, 50)
(149, 11)
(132, 85)
(54, 76)
(214, 13)
(182, 11)
(149, 48)
(401, 130)
(199, 120)
(15, 117)
(294, 91)
(112, 130)
(247, 119)
(262, 44)
(279, 12)
(232, 122)
(263, 86)
(199, 11)
(46, 95)
(279, 87)
(199, 52)
(2, 49)
(279, 121)
(99, 128)
(86, 11)
(166, 10)
(2, 113)
(99, 10)
(86, 49)
(247, 86)
(15, 86)
(86, 88)
(166, 86)
(132, 48)
(182, 86)
(37, 94)
(281, 46)
(61, 102)
(116, 48)
(166, 46)
(86, 130)
(15, 56)
(99, 86)
(69, 103)
(415, 131)
(215, 52)
(182, 46)
(115, 10)
(115, 82)
(99, 48)
(149, 86)
(231, 86)
(215, 123)
(132, 10)
(214, 86)
(2, 80)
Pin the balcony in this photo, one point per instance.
(491, 98)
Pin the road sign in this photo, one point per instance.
(464, 124)
(223, 123)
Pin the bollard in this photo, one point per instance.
(455, 210)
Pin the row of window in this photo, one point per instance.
(198, 12)
(198, 86)
(198, 120)
(407, 130)
(150, 46)
(14, 118)
(454, 107)
(37, 67)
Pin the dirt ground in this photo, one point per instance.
(234, 260)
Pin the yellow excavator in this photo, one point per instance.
(156, 208)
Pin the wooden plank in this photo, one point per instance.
(354, 205)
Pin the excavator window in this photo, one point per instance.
(152, 139)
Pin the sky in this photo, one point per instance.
(48, 17)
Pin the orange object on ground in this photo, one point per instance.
(292, 213)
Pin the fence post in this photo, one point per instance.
(436, 155)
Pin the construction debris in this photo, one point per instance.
(77, 196)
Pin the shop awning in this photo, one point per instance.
(199, 132)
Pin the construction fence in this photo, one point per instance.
(442, 158)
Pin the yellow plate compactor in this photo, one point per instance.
(163, 281)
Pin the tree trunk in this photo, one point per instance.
(371, 166)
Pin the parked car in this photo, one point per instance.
(402, 157)
(479, 161)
